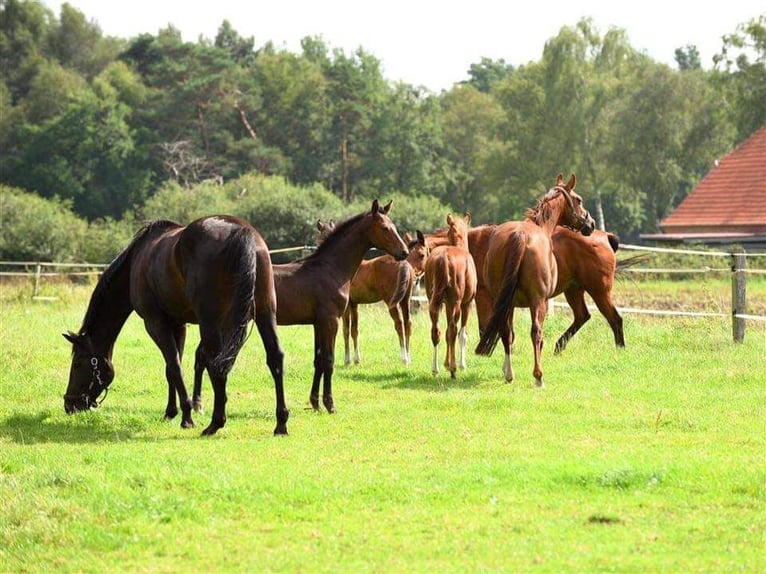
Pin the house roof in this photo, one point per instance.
(731, 197)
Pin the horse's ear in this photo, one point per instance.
(560, 179)
(407, 237)
(71, 337)
(375, 207)
(467, 218)
(571, 183)
(421, 237)
(450, 219)
(320, 225)
(387, 207)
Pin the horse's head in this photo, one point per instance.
(383, 234)
(323, 230)
(90, 375)
(574, 215)
(419, 252)
(457, 230)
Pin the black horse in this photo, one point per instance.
(215, 272)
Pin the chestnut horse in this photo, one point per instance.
(215, 272)
(521, 271)
(315, 290)
(382, 279)
(585, 265)
(450, 279)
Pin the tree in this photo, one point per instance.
(474, 124)
(668, 129)
(741, 75)
(688, 58)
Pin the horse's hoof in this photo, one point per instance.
(169, 416)
(198, 407)
(330, 406)
(539, 383)
(210, 431)
(187, 424)
(281, 430)
(452, 375)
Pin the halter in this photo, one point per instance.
(95, 381)
(579, 219)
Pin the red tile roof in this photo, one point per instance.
(731, 197)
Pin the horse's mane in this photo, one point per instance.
(334, 236)
(542, 211)
(117, 265)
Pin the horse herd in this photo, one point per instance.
(216, 272)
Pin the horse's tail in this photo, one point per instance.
(624, 264)
(403, 281)
(614, 241)
(238, 259)
(441, 280)
(501, 313)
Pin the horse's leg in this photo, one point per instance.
(404, 306)
(393, 310)
(328, 356)
(267, 327)
(318, 368)
(346, 334)
(433, 311)
(451, 310)
(507, 336)
(465, 311)
(171, 410)
(199, 372)
(484, 307)
(608, 310)
(163, 334)
(354, 332)
(538, 311)
(576, 299)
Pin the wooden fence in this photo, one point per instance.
(737, 266)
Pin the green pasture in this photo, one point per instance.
(650, 458)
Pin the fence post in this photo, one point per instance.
(38, 270)
(738, 296)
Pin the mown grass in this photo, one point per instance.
(644, 459)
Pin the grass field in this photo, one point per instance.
(650, 458)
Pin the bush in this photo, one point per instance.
(185, 205)
(284, 214)
(37, 229)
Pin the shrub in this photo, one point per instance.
(38, 229)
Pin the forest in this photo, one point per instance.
(99, 134)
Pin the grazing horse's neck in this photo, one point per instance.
(108, 309)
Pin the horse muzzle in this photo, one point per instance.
(402, 255)
(588, 227)
(77, 404)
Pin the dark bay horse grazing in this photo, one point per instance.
(450, 279)
(314, 290)
(384, 279)
(520, 269)
(586, 264)
(215, 272)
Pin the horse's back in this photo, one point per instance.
(589, 262)
(525, 246)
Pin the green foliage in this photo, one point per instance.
(284, 214)
(106, 123)
(34, 229)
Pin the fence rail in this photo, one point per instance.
(738, 270)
